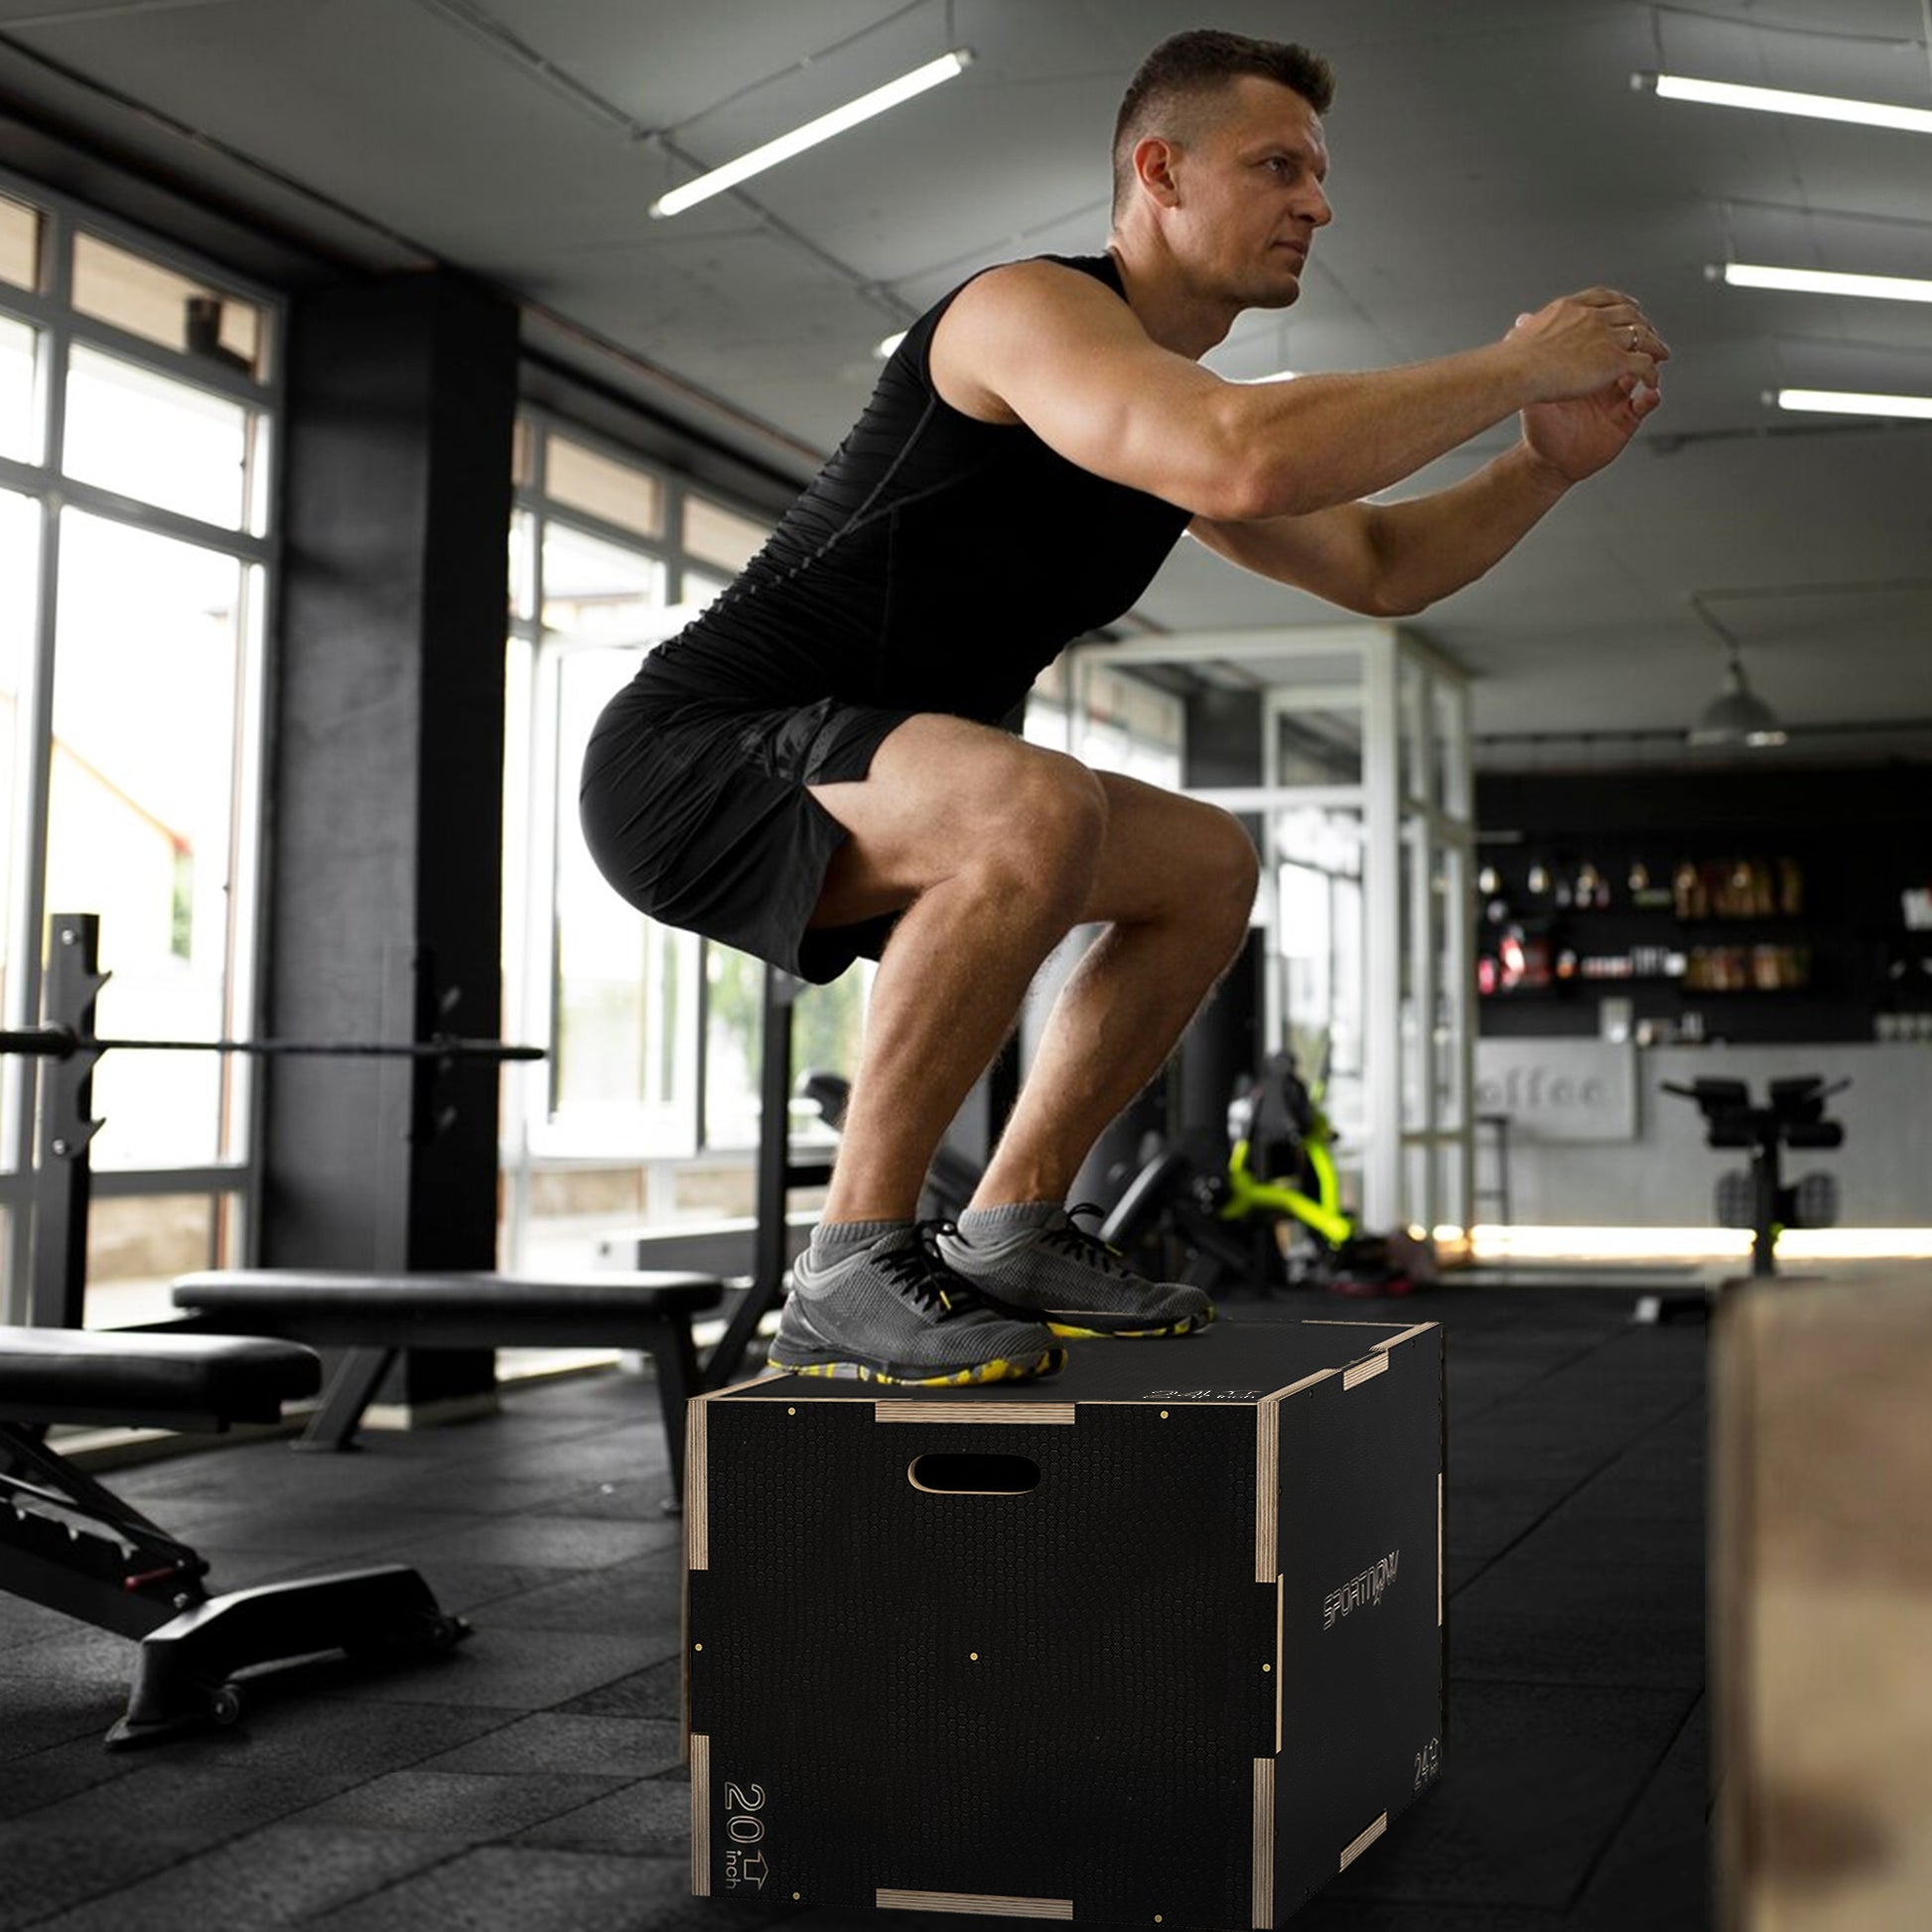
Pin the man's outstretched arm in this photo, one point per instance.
(1392, 560)
(1046, 346)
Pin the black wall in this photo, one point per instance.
(1857, 836)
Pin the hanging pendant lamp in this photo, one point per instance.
(1738, 716)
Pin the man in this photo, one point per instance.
(814, 765)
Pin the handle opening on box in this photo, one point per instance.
(950, 1474)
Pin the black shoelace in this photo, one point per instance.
(918, 1270)
(1083, 1245)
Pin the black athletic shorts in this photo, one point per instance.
(696, 810)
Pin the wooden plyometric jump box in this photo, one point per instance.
(1157, 1640)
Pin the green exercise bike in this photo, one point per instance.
(1270, 1215)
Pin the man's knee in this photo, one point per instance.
(1045, 828)
(1228, 869)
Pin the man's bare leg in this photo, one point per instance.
(1176, 888)
(992, 847)
(989, 849)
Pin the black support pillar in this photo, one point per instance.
(385, 836)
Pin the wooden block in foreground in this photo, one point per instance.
(1822, 1602)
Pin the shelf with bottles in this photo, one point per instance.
(1544, 888)
(1524, 962)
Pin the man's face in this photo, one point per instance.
(1249, 193)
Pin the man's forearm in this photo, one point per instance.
(1322, 439)
(1432, 545)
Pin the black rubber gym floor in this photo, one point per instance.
(532, 1780)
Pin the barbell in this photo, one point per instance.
(63, 1043)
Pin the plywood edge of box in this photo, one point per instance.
(700, 1815)
(697, 1486)
(966, 1901)
(1354, 1849)
(1056, 1412)
(1262, 1901)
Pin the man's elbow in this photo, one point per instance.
(1391, 601)
(1253, 493)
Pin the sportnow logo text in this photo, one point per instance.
(1364, 1591)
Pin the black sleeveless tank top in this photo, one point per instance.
(936, 563)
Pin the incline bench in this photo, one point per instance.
(68, 1543)
(649, 1310)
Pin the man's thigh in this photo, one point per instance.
(939, 791)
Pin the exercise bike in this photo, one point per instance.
(1269, 1212)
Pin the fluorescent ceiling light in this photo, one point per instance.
(812, 133)
(887, 348)
(1822, 281)
(1780, 101)
(1846, 402)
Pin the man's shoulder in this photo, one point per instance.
(1040, 288)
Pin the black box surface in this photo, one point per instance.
(1158, 1639)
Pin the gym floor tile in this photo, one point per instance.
(544, 1543)
(651, 1818)
(1325, 1913)
(329, 1533)
(548, 1741)
(635, 1499)
(454, 1804)
(535, 1889)
(1531, 1647)
(282, 1874)
(644, 1598)
(47, 1870)
(1537, 1779)
(190, 1804)
(654, 1693)
(1581, 1532)
(1654, 1873)
(324, 1731)
(514, 1671)
(61, 1769)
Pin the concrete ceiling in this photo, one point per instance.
(1487, 156)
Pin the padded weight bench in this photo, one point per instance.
(68, 1543)
(378, 1315)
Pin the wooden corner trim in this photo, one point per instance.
(966, 1901)
(1281, 1626)
(1356, 1847)
(1268, 1444)
(697, 1485)
(700, 1815)
(1060, 1413)
(1262, 1904)
(1408, 1335)
(1364, 1371)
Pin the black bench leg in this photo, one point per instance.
(350, 1390)
(676, 1361)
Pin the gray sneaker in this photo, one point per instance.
(1060, 1274)
(895, 1313)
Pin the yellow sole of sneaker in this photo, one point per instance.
(1190, 1326)
(997, 1370)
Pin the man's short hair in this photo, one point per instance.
(1184, 73)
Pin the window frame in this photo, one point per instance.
(232, 1183)
(532, 1132)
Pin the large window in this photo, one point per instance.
(137, 399)
(647, 1110)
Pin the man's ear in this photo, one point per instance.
(1153, 169)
